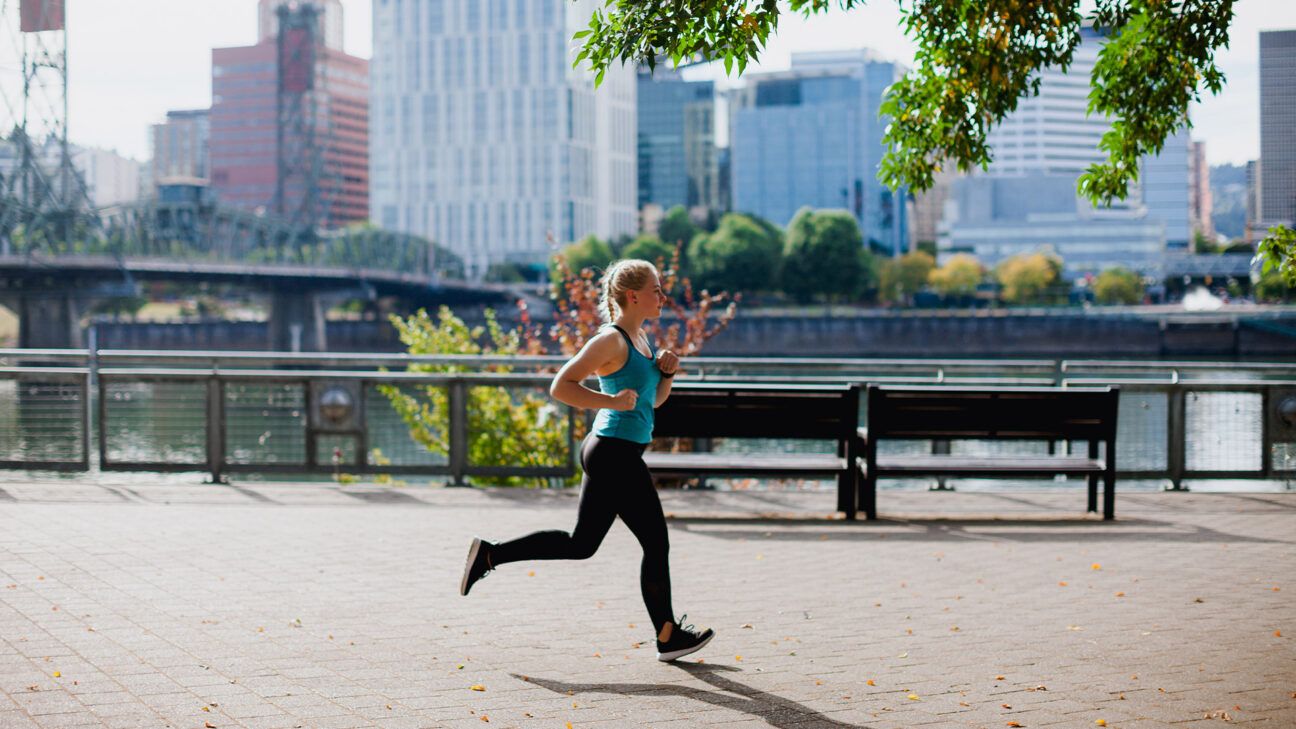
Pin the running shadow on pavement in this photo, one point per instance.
(776, 710)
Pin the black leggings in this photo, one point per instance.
(616, 483)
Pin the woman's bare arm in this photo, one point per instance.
(668, 363)
(568, 385)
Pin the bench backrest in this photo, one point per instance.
(702, 410)
(1042, 413)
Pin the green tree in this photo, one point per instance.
(821, 256)
(588, 252)
(1027, 278)
(958, 277)
(504, 272)
(677, 227)
(1273, 289)
(504, 427)
(900, 278)
(743, 254)
(647, 247)
(1202, 245)
(1118, 286)
(975, 60)
(1278, 253)
(870, 270)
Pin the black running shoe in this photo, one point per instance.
(684, 640)
(477, 566)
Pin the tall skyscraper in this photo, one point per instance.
(1254, 229)
(1276, 202)
(297, 100)
(1053, 133)
(677, 153)
(811, 136)
(1200, 199)
(1018, 205)
(110, 178)
(487, 140)
(180, 146)
(1164, 189)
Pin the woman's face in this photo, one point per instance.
(648, 300)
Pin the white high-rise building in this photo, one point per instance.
(1020, 203)
(1052, 133)
(485, 139)
(110, 178)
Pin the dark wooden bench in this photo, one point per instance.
(716, 410)
(1015, 413)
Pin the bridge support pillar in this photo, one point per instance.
(49, 320)
(297, 322)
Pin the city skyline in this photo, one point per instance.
(127, 58)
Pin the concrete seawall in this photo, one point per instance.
(885, 335)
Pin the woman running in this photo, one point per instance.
(633, 380)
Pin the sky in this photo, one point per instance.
(130, 61)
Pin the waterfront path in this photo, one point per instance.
(292, 605)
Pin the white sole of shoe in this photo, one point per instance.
(472, 557)
(672, 655)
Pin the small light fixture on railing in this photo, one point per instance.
(1287, 411)
(335, 404)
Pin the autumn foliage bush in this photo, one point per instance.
(509, 427)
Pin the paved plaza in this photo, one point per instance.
(175, 604)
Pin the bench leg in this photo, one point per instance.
(846, 489)
(868, 497)
(1109, 496)
(1093, 479)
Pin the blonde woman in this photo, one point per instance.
(633, 380)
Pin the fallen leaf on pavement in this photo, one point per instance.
(477, 687)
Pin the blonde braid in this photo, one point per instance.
(609, 311)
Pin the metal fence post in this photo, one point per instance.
(458, 432)
(90, 389)
(216, 429)
(1175, 439)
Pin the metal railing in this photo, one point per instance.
(239, 412)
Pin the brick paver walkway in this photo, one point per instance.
(178, 605)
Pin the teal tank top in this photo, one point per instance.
(640, 374)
